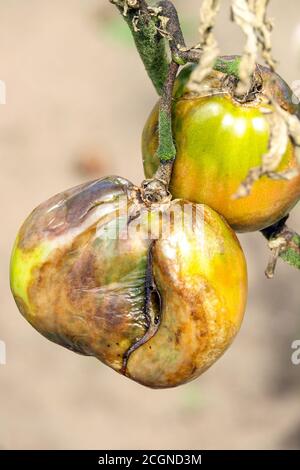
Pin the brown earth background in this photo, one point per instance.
(77, 99)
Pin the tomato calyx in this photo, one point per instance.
(156, 189)
(265, 84)
(230, 83)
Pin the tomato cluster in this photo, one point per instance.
(158, 309)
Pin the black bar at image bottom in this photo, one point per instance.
(147, 458)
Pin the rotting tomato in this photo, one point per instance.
(159, 309)
(218, 140)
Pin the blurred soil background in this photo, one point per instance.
(77, 99)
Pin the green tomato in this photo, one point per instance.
(218, 141)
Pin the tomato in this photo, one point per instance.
(159, 310)
(218, 140)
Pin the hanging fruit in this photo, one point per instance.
(219, 139)
(159, 306)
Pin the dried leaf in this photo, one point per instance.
(293, 127)
(251, 16)
(208, 12)
(244, 17)
(278, 142)
(263, 30)
(164, 20)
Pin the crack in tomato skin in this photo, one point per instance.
(152, 310)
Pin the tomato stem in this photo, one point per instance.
(158, 36)
(158, 186)
(166, 149)
(149, 43)
(230, 65)
(284, 242)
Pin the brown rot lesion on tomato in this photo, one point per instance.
(152, 305)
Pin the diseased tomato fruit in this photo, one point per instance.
(218, 141)
(161, 310)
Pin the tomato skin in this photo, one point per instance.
(90, 293)
(218, 141)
